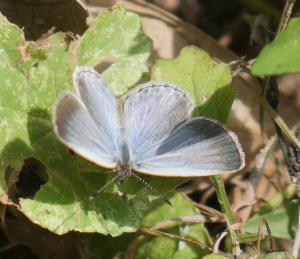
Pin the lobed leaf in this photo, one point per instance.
(282, 55)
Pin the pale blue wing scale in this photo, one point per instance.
(101, 103)
(150, 114)
(199, 147)
(77, 129)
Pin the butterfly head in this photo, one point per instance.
(124, 172)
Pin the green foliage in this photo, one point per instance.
(282, 55)
(34, 74)
(283, 222)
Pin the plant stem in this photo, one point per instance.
(226, 209)
(296, 246)
(222, 197)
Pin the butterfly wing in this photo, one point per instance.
(88, 123)
(162, 142)
(150, 114)
(199, 147)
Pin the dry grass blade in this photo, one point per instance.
(190, 241)
(186, 219)
(259, 235)
(274, 115)
(213, 213)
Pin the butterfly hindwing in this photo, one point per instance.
(199, 147)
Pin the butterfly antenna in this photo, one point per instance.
(92, 197)
(150, 187)
(111, 181)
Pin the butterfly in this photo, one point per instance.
(149, 131)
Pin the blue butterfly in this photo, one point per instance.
(148, 132)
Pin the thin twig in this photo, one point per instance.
(286, 14)
(275, 116)
(262, 222)
(211, 212)
(218, 241)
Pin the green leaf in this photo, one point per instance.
(282, 55)
(283, 222)
(206, 81)
(154, 247)
(162, 247)
(13, 101)
(10, 37)
(278, 255)
(116, 36)
(33, 75)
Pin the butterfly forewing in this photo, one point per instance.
(88, 124)
(150, 114)
(100, 102)
(199, 147)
